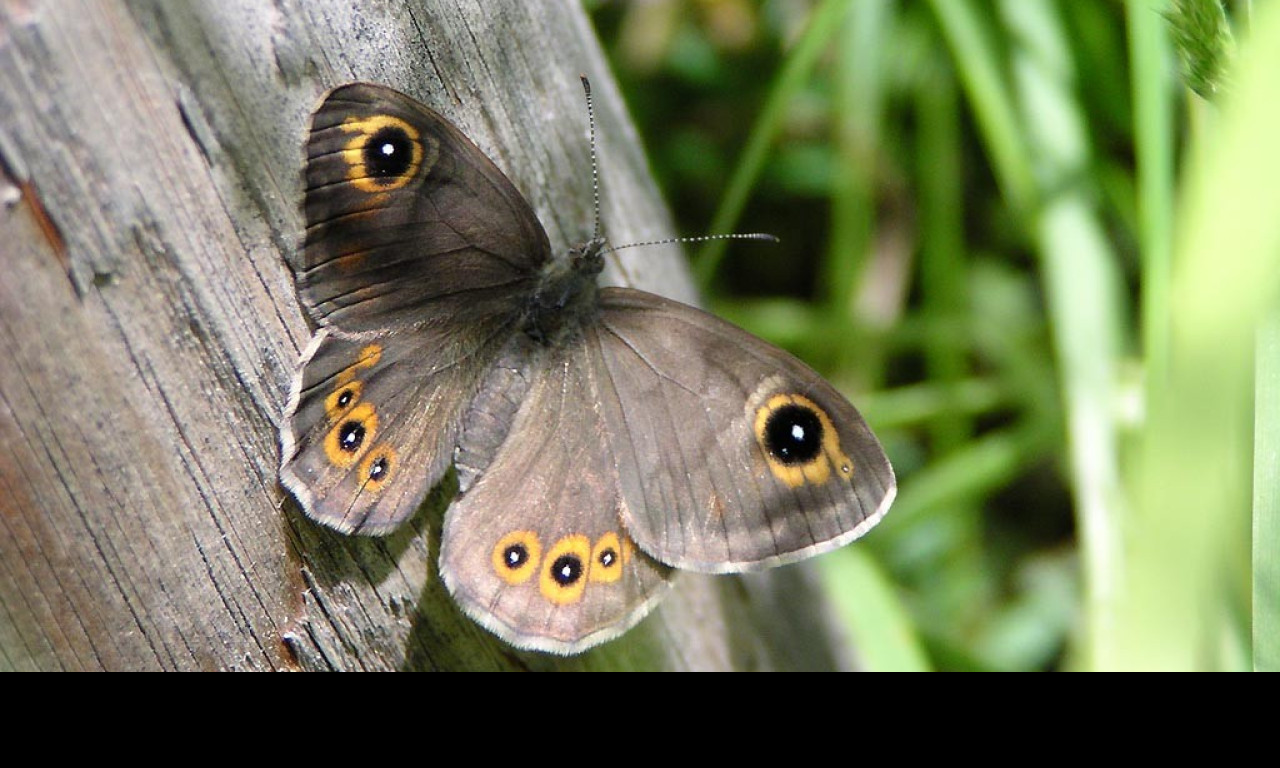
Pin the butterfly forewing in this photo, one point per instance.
(732, 454)
(407, 221)
(419, 259)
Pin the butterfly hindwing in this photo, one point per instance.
(536, 550)
(732, 454)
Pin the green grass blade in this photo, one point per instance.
(1266, 499)
(825, 21)
(1149, 53)
(990, 98)
(1082, 290)
(859, 107)
(943, 260)
(1191, 532)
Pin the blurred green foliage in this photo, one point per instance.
(987, 213)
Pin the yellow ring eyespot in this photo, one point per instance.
(516, 556)
(799, 441)
(606, 559)
(342, 399)
(378, 467)
(565, 570)
(384, 153)
(351, 435)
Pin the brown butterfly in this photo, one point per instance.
(602, 436)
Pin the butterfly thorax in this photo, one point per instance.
(567, 294)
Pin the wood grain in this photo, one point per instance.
(150, 161)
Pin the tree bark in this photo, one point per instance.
(150, 174)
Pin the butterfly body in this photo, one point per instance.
(603, 437)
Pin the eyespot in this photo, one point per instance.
(351, 435)
(793, 434)
(516, 556)
(565, 570)
(378, 467)
(385, 153)
(606, 559)
(389, 152)
(342, 399)
(799, 441)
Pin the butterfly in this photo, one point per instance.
(603, 438)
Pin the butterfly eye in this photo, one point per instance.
(516, 556)
(799, 441)
(564, 576)
(606, 559)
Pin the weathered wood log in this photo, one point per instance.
(150, 161)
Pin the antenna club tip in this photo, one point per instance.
(586, 84)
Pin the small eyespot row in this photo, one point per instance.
(567, 567)
(353, 424)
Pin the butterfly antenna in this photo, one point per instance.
(703, 239)
(595, 170)
(595, 196)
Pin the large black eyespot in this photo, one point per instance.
(566, 569)
(793, 434)
(388, 153)
(351, 436)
